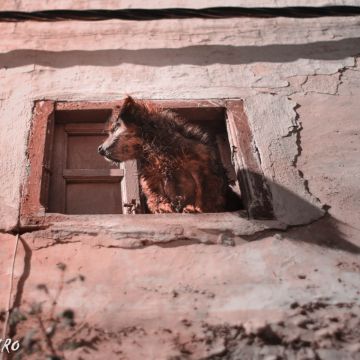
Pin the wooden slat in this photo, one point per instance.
(170, 104)
(86, 105)
(57, 183)
(89, 105)
(48, 151)
(85, 128)
(79, 174)
(225, 156)
(130, 187)
(254, 190)
(83, 116)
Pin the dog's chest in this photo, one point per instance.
(177, 184)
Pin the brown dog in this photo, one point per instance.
(179, 167)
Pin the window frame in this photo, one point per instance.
(256, 195)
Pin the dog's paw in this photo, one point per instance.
(164, 208)
(191, 209)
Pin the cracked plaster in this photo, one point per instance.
(275, 127)
(76, 83)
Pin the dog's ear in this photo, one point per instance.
(129, 110)
(128, 102)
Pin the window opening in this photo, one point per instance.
(68, 176)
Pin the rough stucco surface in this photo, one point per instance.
(105, 60)
(274, 127)
(6, 261)
(152, 301)
(300, 82)
(126, 232)
(336, 173)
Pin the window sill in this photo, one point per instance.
(134, 231)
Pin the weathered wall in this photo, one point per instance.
(300, 77)
(234, 58)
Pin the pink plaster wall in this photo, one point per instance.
(303, 73)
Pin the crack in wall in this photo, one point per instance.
(271, 160)
(298, 86)
(316, 81)
(56, 243)
(148, 242)
(297, 131)
(257, 152)
(21, 283)
(341, 74)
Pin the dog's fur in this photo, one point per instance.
(179, 166)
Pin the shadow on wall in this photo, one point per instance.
(191, 55)
(316, 225)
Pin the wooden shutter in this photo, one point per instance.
(82, 181)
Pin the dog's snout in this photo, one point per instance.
(101, 150)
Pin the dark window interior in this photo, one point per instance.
(213, 121)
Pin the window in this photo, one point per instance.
(67, 176)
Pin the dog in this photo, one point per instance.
(180, 170)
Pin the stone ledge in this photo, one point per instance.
(135, 231)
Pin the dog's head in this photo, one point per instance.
(124, 141)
